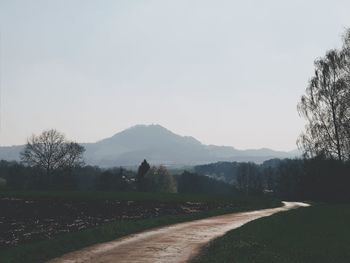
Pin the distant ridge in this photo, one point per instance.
(159, 146)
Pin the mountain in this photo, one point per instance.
(159, 146)
(10, 153)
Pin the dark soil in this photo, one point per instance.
(23, 220)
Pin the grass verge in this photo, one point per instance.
(41, 251)
(317, 234)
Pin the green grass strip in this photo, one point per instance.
(317, 234)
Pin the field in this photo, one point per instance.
(27, 219)
(58, 222)
(317, 234)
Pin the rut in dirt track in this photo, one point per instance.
(174, 244)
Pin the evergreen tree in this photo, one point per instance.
(140, 177)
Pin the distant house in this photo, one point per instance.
(268, 191)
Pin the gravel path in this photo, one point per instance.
(176, 243)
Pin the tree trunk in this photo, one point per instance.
(336, 132)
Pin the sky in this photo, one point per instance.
(225, 72)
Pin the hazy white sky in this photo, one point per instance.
(226, 72)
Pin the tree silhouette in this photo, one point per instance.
(51, 151)
(326, 107)
(140, 177)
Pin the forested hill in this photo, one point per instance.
(230, 172)
(159, 146)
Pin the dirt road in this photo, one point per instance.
(176, 243)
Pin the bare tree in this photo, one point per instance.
(326, 107)
(51, 151)
(346, 103)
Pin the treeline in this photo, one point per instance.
(318, 179)
(315, 179)
(16, 176)
(247, 177)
